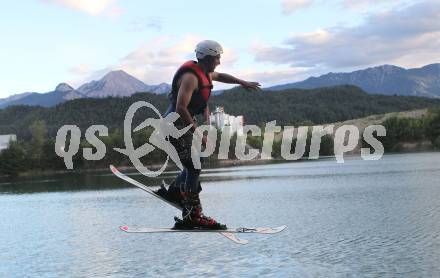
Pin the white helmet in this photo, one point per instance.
(208, 48)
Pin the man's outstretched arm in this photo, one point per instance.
(227, 78)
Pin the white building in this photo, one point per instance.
(5, 140)
(222, 120)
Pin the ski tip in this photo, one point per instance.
(113, 168)
(280, 228)
(124, 228)
(234, 238)
(242, 241)
(275, 230)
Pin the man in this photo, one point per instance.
(191, 88)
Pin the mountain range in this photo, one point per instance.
(115, 83)
(384, 80)
(293, 107)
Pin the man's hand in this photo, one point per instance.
(202, 136)
(251, 86)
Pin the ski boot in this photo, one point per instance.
(172, 194)
(192, 216)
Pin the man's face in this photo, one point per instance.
(213, 62)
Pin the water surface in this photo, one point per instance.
(357, 219)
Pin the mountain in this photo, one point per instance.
(62, 92)
(385, 80)
(119, 84)
(115, 83)
(13, 98)
(162, 88)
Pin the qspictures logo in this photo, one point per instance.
(346, 138)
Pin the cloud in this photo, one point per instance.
(115, 12)
(275, 76)
(410, 35)
(154, 23)
(157, 60)
(359, 5)
(81, 69)
(290, 6)
(93, 7)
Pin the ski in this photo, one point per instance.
(228, 235)
(261, 230)
(140, 185)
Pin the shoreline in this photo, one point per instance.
(205, 165)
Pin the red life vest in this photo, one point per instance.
(200, 96)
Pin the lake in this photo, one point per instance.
(357, 219)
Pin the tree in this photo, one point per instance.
(13, 160)
(433, 128)
(39, 137)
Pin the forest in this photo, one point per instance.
(36, 127)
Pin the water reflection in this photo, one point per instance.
(359, 219)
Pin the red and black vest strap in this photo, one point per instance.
(200, 96)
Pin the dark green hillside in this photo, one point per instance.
(323, 105)
(289, 107)
(81, 112)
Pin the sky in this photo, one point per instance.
(46, 42)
